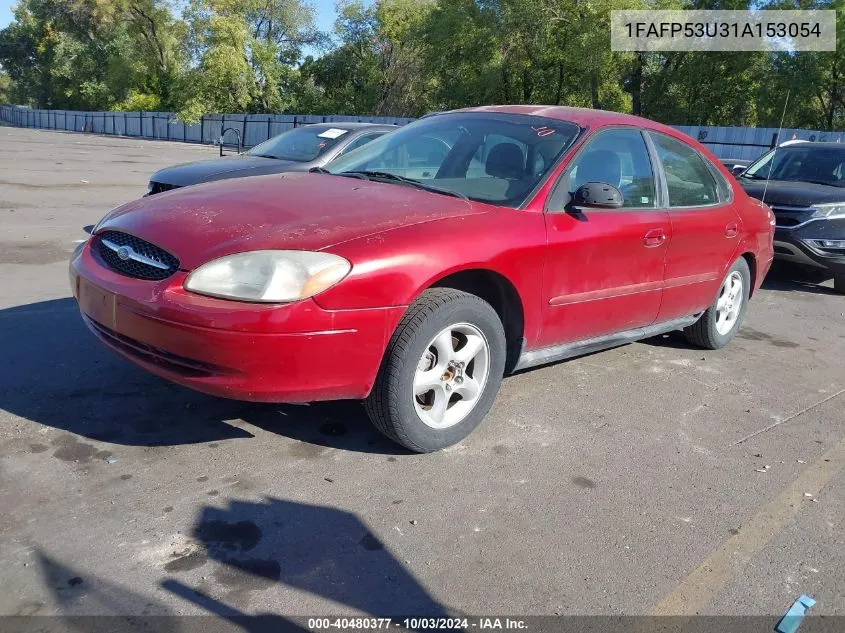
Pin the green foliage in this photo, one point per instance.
(139, 101)
(5, 88)
(399, 57)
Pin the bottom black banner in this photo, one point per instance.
(317, 624)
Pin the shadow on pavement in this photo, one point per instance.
(321, 550)
(56, 373)
(786, 277)
(78, 593)
(89, 604)
(241, 550)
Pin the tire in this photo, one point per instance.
(431, 347)
(839, 283)
(712, 330)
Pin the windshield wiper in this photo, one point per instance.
(407, 181)
(265, 156)
(349, 174)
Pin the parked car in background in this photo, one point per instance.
(804, 184)
(299, 149)
(735, 165)
(416, 271)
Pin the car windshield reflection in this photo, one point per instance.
(494, 158)
(301, 144)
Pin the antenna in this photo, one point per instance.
(774, 154)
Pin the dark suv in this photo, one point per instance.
(806, 191)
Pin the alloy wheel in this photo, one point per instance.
(729, 303)
(451, 375)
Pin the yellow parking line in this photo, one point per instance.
(699, 588)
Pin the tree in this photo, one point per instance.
(401, 57)
(91, 54)
(5, 88)
(244, 51)
(378, 67)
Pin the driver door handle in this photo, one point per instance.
(654, 238)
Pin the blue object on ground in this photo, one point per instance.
(790, 622)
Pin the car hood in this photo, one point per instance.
(299, 211)
(219, 168)
(792, 194)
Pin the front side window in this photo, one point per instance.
(490, 157)
(302, 144)
(620, 158)
(688, 179)
(801, 163)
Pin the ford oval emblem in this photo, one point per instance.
(124, 252)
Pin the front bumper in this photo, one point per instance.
(803, 244)
(264, 353)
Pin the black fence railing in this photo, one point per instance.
(165, 126)
(725, 142)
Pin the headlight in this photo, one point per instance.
(268, 276)
(829, 210)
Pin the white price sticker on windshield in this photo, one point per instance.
(333, 132)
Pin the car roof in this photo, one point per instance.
(589, 118)
(585, 117)
(352, 125)
(819, 144)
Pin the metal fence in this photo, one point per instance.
(748, 143)
(725, 142)
(251, 128)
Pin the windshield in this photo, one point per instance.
(302, 144)
(489, 157)
(801, 163)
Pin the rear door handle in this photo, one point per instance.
(654, 238)
(731, 230)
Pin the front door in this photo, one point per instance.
(604, 267)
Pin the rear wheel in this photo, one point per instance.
(441, 371)
(722, 320)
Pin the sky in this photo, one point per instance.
(325, 13)
(6, 11)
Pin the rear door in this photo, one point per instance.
(705, 227)
(604, 267)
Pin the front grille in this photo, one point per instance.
(160, 187)
(160, 264)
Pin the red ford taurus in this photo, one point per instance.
(419, 269)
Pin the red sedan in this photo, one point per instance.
(419, 269)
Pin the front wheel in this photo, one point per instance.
(722, 320)
(441, 371)
(839, 283)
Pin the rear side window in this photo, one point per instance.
(688, 179)
(722, 187)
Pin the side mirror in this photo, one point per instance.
(598, 194)
(737, 170)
